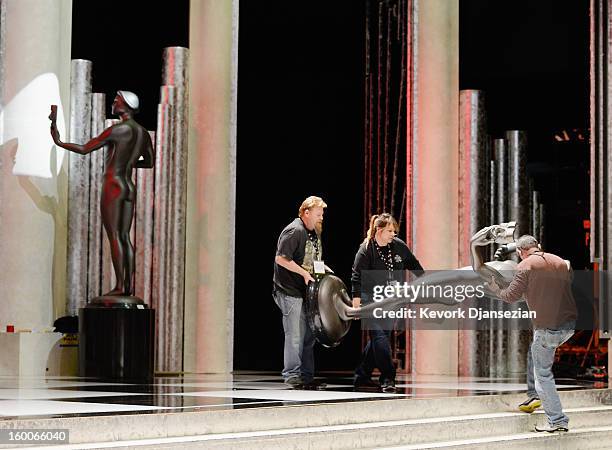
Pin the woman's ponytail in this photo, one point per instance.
(378, 221)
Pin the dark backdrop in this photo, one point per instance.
(300, 122)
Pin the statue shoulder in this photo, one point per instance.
(122, 130)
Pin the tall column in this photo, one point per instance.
(143, 225)
(159, 298)
(434, 99)
(96, 173)
(518, 209)
(211, 181)
(535, 214)
(473, 170)
(501, 162)
(170, 305)
(474, 199)
(35, 73)
(78, 186)
(498, 363)
(601, 157)
(518, 186)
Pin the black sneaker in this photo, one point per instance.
(294, 382)
(365, 384)
(530, 405)
(552, 428)
(388, 386)
(313, 385)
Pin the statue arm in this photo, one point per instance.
(478, 244)
(148, 155)
(88, 147)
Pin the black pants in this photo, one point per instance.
(377, 354)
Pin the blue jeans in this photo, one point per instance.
(299, 340)
(543, 348)
(531, 390)
(377, 353)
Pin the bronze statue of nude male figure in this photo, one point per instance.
(130, 147)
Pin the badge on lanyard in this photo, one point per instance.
(319, 267)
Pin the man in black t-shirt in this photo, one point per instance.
(299, 255)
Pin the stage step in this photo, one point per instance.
(457, 422)
(585, 438)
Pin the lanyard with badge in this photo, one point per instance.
(318, 264)
(387, 258)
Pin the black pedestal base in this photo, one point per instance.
(116, 343)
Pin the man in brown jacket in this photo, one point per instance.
(545, 281)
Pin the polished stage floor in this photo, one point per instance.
(74, 397)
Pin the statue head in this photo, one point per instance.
(125, 100)
(504, 233)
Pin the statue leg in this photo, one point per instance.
(128, 248)
(111, 219)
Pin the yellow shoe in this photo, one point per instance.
(530, 405)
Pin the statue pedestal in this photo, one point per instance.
(26, 354)
(116, 343)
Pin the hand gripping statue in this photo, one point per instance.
(129, 147)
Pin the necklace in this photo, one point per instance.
(386, 255)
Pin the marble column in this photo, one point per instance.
(172, 201)
(78, 186)
(143, 231)
(498, 361)
(474, 168)
(159, 297)
(518, 209)
(518, 186)
(501, 163)
(434, 103)
(35, 73)
(211, 179)
(96, 172)
(474, 199)
(601, 157)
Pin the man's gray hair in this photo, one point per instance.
(526, 242)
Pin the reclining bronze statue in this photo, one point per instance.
(330, 310)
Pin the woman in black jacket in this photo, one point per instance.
(384, 253)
